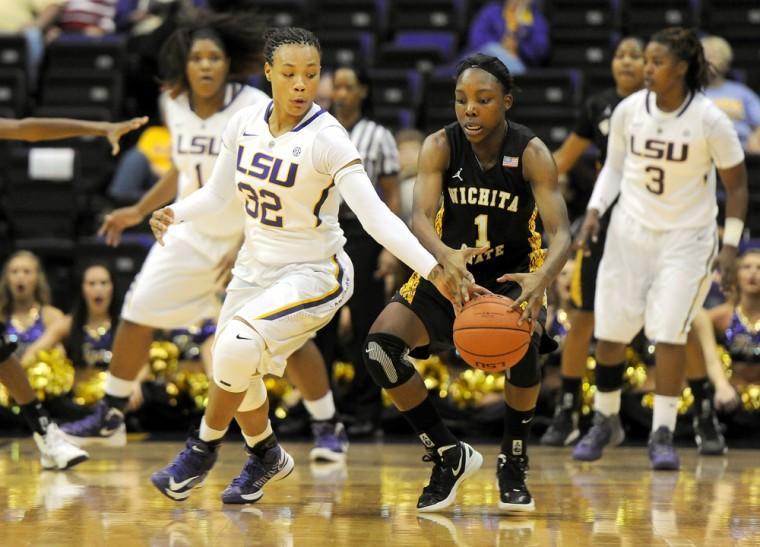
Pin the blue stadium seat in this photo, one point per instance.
(582, 13)
(645, 17)
(74, 52)
(396, 88)
(548, 87)
(285, 13)
(84, 88)
(445, 42)
(12, 51)
(428, 15)
(573, 49)
(551, 124)
(395, 118)
(347, 48)
(350, 15)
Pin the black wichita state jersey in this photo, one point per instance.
(495, 208)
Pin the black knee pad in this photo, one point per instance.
(385, 358)
(526, 373)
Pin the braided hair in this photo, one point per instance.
(685, 45)
(490, 64)
(238, 34)
(277, 37)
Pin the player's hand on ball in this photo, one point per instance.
(726, 263)
(589, 231)
(117, 221)
(533, 287)
(160, 221)
(454, 280)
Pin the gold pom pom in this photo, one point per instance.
(343, 373)
(163, 359)
(685, 401)
(51, 374)
(750, 395)
(472, 385)
(434, 373)
(91, 388)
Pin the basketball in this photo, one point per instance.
(487, 335)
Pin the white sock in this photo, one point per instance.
(321, 409)
(253, 440)
(665, 412)
(607, 402)
(116, 387)
(208, 434)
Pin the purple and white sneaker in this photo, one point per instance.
(662, 453)
(330, 441)
(605, 431)
(188, 470)
(105, 426)
(248, 486)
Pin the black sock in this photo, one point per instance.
(428, 426)
(516, 430)
(119, 403)
(609, 377)
(570, 393)
(261, 447)
(36, 416)
(702, 390)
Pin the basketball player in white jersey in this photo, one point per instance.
(665, 144)
(176, 285)
(288, 162)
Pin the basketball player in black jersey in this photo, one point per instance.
(592, 128)
(495, 178)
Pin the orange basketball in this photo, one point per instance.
(487, 335)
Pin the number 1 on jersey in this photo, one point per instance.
(481, 221)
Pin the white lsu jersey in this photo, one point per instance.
(669, 177)
(287, 188)
(195, 145)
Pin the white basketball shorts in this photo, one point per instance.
(655, 279)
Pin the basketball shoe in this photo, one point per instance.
(276, 464)
(56, 452)
(330, 441)
(188, 470)
(606, 430)
(510, 476)
(662, 453)
(455, 464)
(709, 439)
(564, 428)
(105, 426)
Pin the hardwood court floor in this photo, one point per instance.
(371, 501)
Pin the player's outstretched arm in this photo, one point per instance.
(40, 129)
(539, 169)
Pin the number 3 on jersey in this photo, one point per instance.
(656, 183)
(262, 201)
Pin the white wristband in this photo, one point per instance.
(733, 231)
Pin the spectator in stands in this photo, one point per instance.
(32, 18)
(740, 103)
(25, 300)
(514, 31)
(87, 17)
(409, 142)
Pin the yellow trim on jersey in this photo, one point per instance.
(537, 254)
(576, 287)
(296, 306)
(408, 289)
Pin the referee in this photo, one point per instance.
(372, 263)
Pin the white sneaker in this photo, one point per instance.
(56, 451)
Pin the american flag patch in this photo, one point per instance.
(509, 161)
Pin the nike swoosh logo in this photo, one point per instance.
(197, 449)
(105, 432)
(459, 466)
(250, 134)
(242, 338)
(526, 421)
(177, 485)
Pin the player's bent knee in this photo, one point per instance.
(238, 350)
(255, 396)
(385, 358)
(526, 373)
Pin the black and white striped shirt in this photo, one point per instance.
(378, 151)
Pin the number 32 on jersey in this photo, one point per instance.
(261, 203)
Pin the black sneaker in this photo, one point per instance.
(563, 430)
(450, 468)
(513, 493)
(710, 441)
